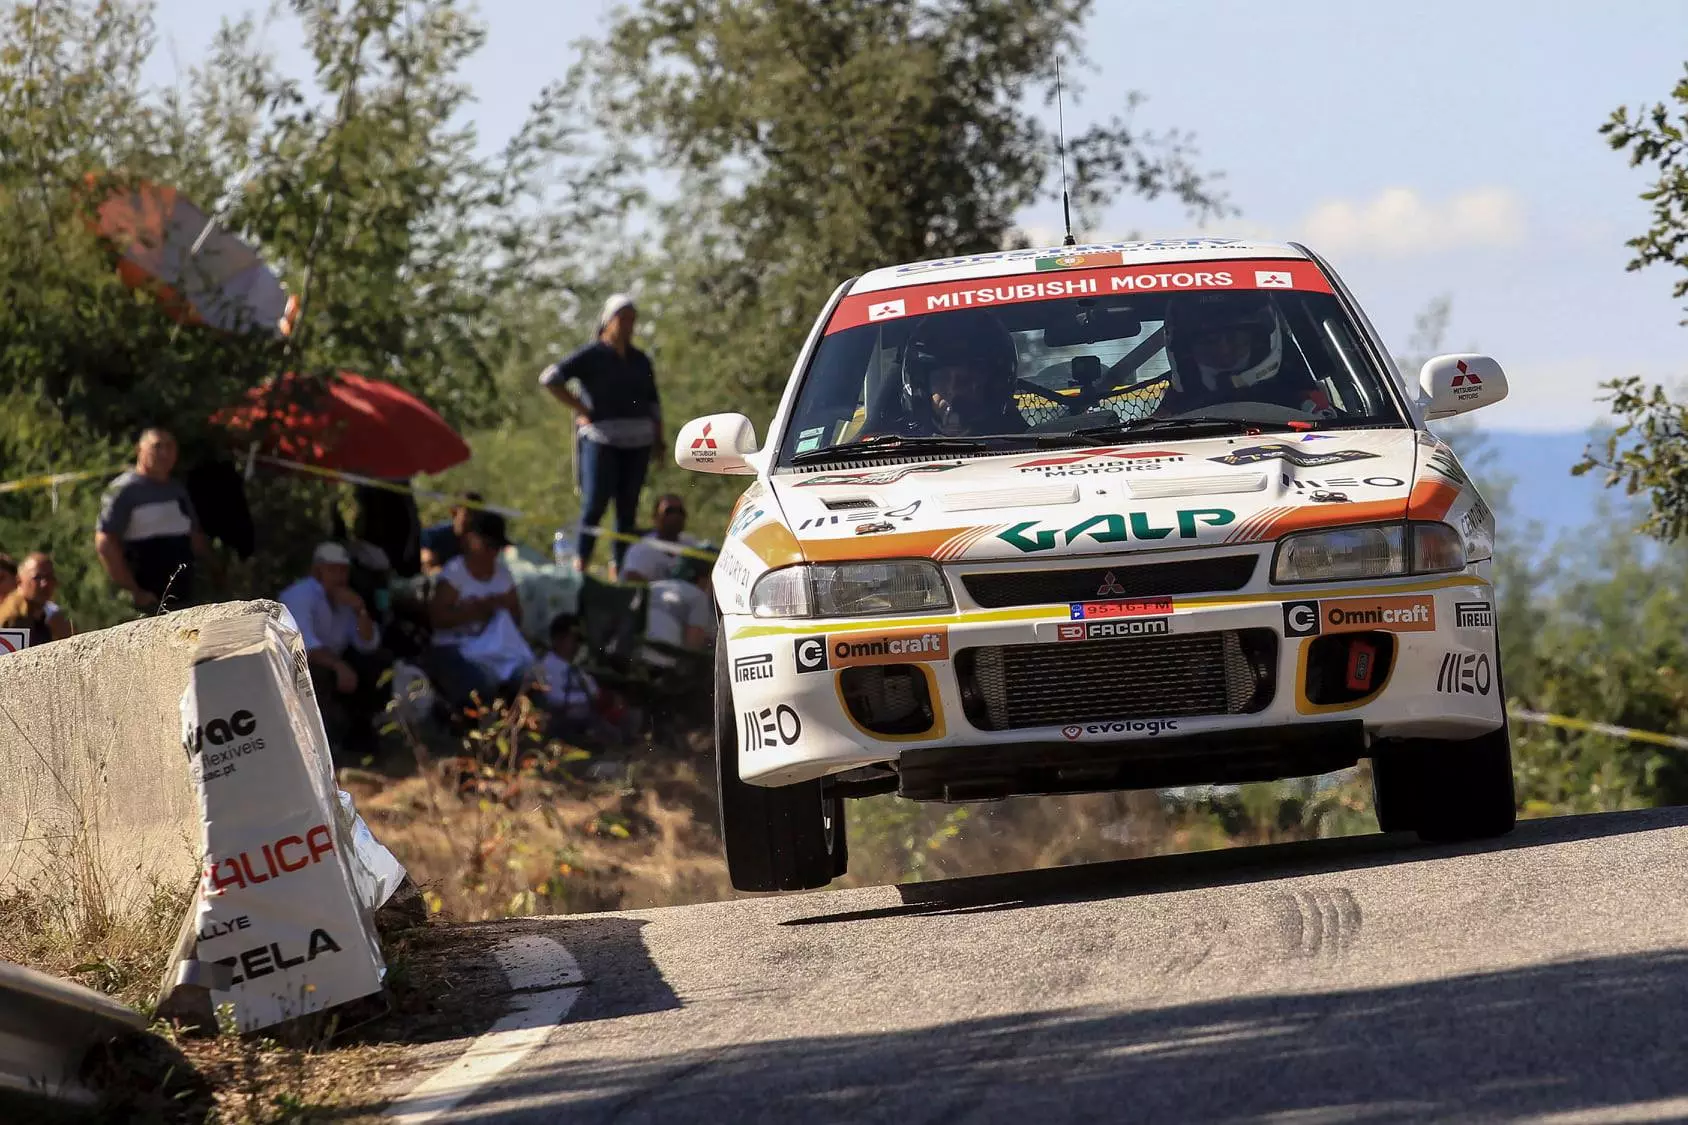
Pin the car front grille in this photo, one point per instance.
(1041, 587)
(1009, 687)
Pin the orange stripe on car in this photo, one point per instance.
(1431, 499)
(774, 544)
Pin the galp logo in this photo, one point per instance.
(219, 732)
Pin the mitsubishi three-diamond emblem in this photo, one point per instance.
(1110, 585)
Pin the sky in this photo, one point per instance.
(1426, 150)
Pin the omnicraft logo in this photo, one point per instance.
(894, 647)
(1395, 615)
(1358, 615)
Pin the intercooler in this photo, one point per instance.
(1010, 687)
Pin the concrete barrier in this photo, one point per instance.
(94, 783)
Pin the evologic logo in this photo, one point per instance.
(1114, 528)
(219, 732)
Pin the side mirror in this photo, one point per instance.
(716, 443)
(1454, 384)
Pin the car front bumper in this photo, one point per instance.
(1108, 683)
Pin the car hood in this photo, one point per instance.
(1144, 496)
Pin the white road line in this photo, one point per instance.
(546, 980)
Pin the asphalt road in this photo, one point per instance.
(1541, 978)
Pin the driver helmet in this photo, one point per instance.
(961, 366)
(1229, 339)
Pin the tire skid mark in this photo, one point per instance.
(1316, 922)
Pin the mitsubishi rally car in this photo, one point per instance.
(1117, 516)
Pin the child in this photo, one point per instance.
(578, 706)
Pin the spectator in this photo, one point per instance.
(148, 536)
(8, 574)
(647, 559)
(478, 647)
(611, 387)
(30, 605)
(579, 707)
(681, 613)
(442, 542)
(388, 519)
(343, 647)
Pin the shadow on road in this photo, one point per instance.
(1231, 866)
(1585, 1035)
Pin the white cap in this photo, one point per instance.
(616, 302)
(331, 553)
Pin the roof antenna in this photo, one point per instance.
(1060, 117)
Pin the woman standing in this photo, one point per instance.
(611, 387)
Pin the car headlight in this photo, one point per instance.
(1388, 550)
(850, 590)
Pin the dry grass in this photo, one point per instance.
(485, 843)
(115, 948)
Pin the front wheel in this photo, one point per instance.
(789, 838)
(1446, 791)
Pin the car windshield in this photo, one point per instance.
(1007, 361)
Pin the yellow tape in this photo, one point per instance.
(1588, 727)
(377, 482)
(510, 513)
(53, 480)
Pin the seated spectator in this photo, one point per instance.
(478, 647)
(579, 707)
(646, 560)
(681, 612)
(343, 647)
(443, 542)
(30, 605)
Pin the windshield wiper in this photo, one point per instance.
(885, 444)
(1200, 422)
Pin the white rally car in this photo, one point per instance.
(1101, 517)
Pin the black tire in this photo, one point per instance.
(789, 838)
(1447, 791)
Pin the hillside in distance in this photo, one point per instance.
(1527, 476)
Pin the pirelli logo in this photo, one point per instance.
(1474, 615)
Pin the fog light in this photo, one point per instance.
(1362, 665)
(888, 699)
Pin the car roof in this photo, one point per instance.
(1005, 262)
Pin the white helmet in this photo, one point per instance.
(1189, 317)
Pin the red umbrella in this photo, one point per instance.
(350, 423)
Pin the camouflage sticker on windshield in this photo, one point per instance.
(1300, 458)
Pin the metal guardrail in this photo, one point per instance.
(47, 1028)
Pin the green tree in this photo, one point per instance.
(419, 259)
(1647, 451)
(805, 141)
